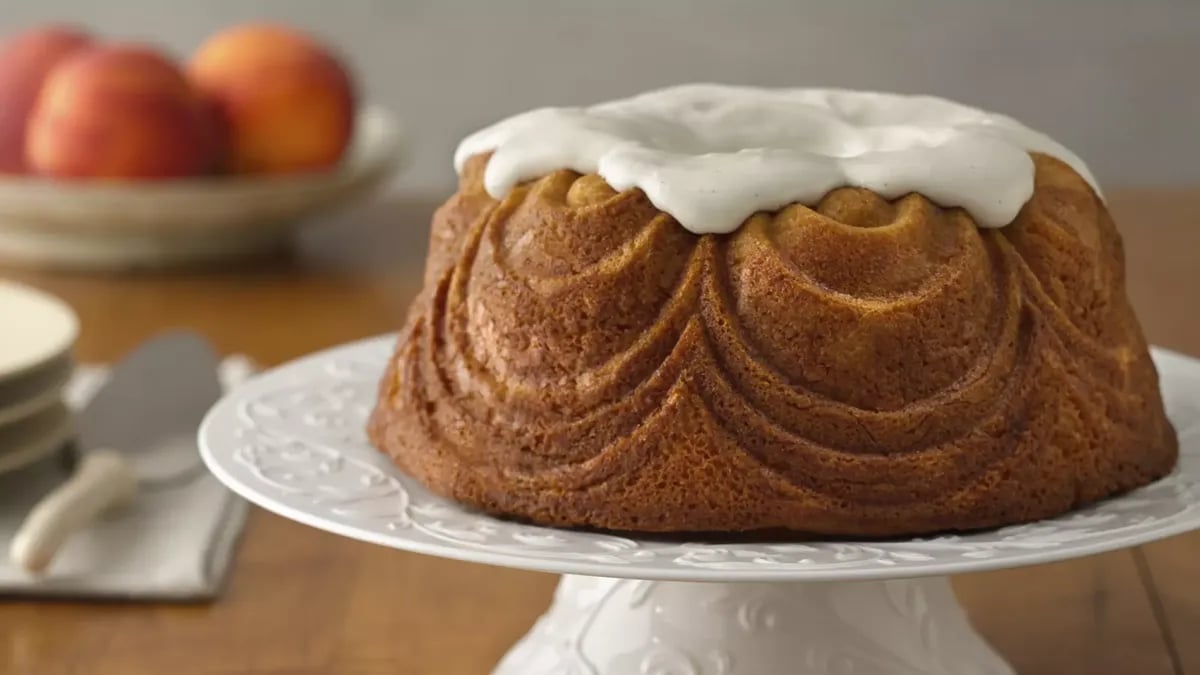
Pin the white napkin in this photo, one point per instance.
(170, 544)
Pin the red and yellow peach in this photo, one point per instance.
(120, 112)
(287, 103)
(25, 61)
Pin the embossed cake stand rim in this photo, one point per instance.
(791, 574)
(290, 441)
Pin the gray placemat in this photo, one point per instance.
(170, 544)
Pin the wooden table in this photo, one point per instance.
(302, 602)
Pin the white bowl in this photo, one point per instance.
(123, 225)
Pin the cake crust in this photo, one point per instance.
(862, 368)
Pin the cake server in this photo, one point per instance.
(138, 431)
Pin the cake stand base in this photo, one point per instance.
(598, 626)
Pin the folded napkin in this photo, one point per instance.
(170, 544)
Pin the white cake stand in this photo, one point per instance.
(292, 441)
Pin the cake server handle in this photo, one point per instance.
(103, 481)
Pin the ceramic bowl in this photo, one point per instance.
(93, 225)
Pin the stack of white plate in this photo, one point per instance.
(37, 335)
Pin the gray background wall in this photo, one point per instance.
(1119, 81)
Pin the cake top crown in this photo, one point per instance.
(712, 155)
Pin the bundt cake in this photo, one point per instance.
(721, 309)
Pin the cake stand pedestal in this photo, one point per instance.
(291, 441)
(610, 626)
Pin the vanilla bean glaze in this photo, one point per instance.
(713, 155)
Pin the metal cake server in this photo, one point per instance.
(138, 431)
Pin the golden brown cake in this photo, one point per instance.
(863, 367)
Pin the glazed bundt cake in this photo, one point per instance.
(717, 309)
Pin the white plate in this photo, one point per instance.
(34, 438)
(292, 441)
(35, 391)
(36, 329)
(109, 225)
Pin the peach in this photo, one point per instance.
(120, 111)
(25, 61)
(288, 103)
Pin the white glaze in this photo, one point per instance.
(712, 155)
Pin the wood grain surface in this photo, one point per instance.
(302, 602)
